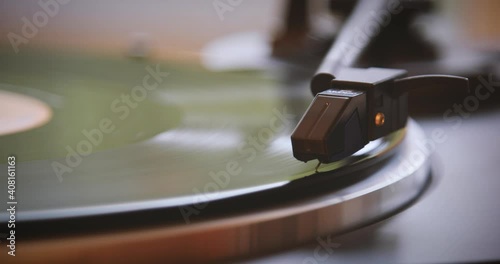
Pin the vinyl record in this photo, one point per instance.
(127, 135)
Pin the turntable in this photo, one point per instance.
(268, 147)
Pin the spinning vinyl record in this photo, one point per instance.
(122, 135)
(165, 154)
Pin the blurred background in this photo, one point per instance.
(173, 30)
(178, 30)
